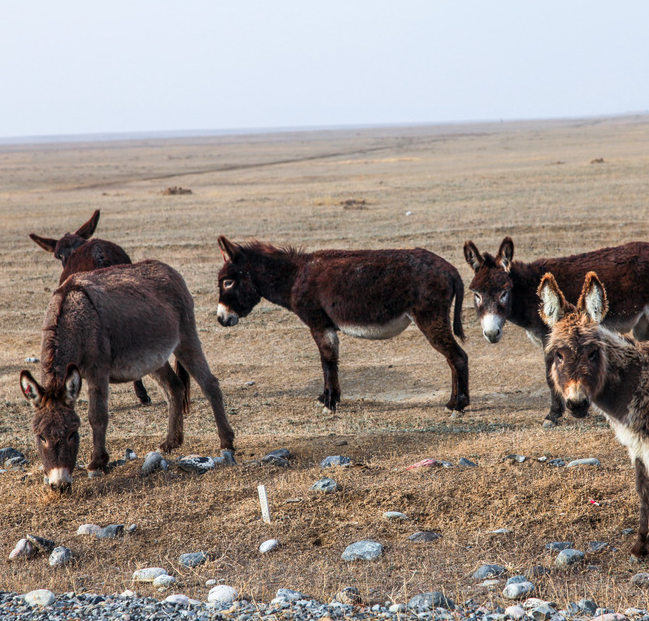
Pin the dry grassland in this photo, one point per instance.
(344, 189)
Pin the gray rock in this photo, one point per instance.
(289, 595)
(424, 535)
(112, 531)
(40, 597)
(268, 546)
(501, 531)
(335, 460)
(517, 590)
(132, 529)
(597, 546)
(283, 454)
(129, 455)
(588, 606)
(148, 574)
(558, 463)
(517, 458)
(516, 580)
(226, 458)
(395, 515)
(542, 613)
(628, 531)
(60, 556)
(366, 550)
(24, 549)
(467, 463)
(40, 543)
(569, 557)
(9, 453)
(222, 594)
(436, 599)
(196, 464)
(557, 546)
(178, 599)
(589, 461)
(489, 571)
(515, 612)
(154, 461)
(192, 559)
(164, 581)
(640, 580)
(88, 529)
(325, 485)
(395, 608)
(15, 463)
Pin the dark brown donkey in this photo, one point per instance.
(77, 254)
(110, 326)
(590, 364)
(505, 289)
(373, 294)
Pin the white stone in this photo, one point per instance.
(268, 546)
(515, 612)
(148, 574)
(24, 548)
(223, 594)
(589, 461)
(128, 593)
(88, 529)
(517, 590)
(395, 515)
(40, 597)
(178, 598)
(210, 582)
(164, 581)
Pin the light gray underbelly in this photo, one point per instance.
(377, 331)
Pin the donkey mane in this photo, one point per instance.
(260, 247)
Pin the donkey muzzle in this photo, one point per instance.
(226, 317)
(578, 407)
(492, 327)
(59, 479)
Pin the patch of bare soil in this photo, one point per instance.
(427, 186)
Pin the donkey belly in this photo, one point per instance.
(135, 365)
(376, 331)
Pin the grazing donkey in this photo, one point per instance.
(373, 294)
(591, 364)
(110, 326)
(77, 254)
(505, 289)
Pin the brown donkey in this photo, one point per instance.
(77, 254)
(373, 294)
(591, 364)
(505, 289)
(110, 326)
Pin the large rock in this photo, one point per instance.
(335, 460)
(589, 461)
(40, 597)
(60, 556)
(569, 557)
(222, 594)
(23, 549)
(489, 571)
(192, 559)
(148, 574)
(154, 461)
(436, 599)
(517, 590)
(196, 464)
(367, 550)
(325, 485)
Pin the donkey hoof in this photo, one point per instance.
(457, 414)
(95, 474)
(227, 455)
(326, 410)
(549, 424)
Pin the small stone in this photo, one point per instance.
(60, 556)
(535, 602)
(268, 546)
(288, 595)
(489, 571)
(558, 463)
(40, 597)
(490, 584)
(395, 515)
(335, 460)
(597, 546)
(394, 608)
(9, 453)
(196, 464)
(178, 599)
(635, 612)
(88, 529)
(431, 600)
(516, 580)
(588, 606)
(129, 455)
(543, 613)
(116, 463)
(424, 535)
(628, 531)
(501, 531)
(517, 590)
(610, 616)
(467, 463)
(112, 531)
(366, 550)
(515, 612)
(590, 461)
(640, 580)
(222, 594)
(517, 458)
(192, 559)
(15, 463)
(148, 574)
(569, 557)
(164, 581)
(211, 582)
(132, 529)
(226, 458)
(23, 549)
(557, 546)
(325, 485)
(154, 461)
(40, 543)
(350, 596)
(278, 457)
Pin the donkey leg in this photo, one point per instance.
(557, 406)
(437, 329)
(98, 418)
(173, 390)
(327, 342)
(141, 393)
(190, 354)
(641, 547)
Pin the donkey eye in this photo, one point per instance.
(71, 436)
(559, 357)
(478, 298)
(228, 284)
(504, 296)
(41, 439)
(593, 356)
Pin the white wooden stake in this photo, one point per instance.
(263, 501)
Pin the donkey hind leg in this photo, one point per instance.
(190, 355)
(174, 391)
(98, 418)
(557, 406)
(141, 393)
(641, 547)
(327, 342)
(437, 329)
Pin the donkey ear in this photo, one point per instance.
(228, 249)
(44, 242)
(593, 300)
(553, 304)
(505, 253)
(86, 230)
(473, 256)
(72, 384)
(32, 390)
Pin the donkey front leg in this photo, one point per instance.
(141, 393)
(98, 417)
(327, 342)
(174, 391)
(641, 547)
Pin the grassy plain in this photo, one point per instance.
(412, 186)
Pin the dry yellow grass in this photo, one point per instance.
(533, 181)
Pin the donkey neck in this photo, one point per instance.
(525, 303)
(274, 273)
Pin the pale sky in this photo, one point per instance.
(91, 66)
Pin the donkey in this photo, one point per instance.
(506, 289)
(77, 254)
(591, 364)
(372, 294)
(109, 326)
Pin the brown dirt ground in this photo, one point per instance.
(344, 189)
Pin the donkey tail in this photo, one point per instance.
(181, 372)
(458, 290)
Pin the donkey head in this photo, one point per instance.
(55, 424)
(575, 348)
(65, 246)
(238, 294)
(491, 286)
